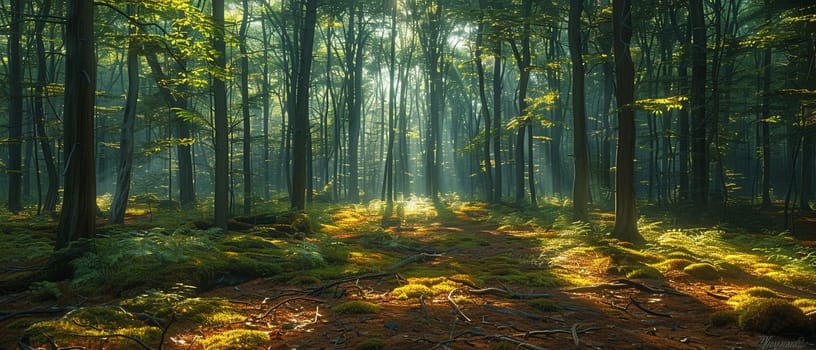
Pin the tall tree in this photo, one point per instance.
(221, 205)
(483, 106)
(625, 209)
(51, 196)
(125, 169)
(765, 117)
(301, 116)
(78, 215)
(580, 187)
(523, 60)
(15, 109)
(247, 141)
(699, 147)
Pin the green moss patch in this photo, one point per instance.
(772, 316)
(704, 271)
(236, 340)
(356, 307)
(673, 264)
(98, 322)
(639, 271)
(723, 318)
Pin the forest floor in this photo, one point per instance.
(465, 281)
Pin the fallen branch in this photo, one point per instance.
(393, 269)
(456, 307)
(508, 293)
(623, 283)
(717, 296)
(636, 303)
(574, 331)
(111, 335)
(269, 311)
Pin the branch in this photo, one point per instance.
(456, 307)
(636, 303)
(508, 293)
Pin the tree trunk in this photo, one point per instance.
(221, 205)
(485, 110)
(15, 109)
(51, 196)
(301, 120)
(625, 209)
(497, 120)
(764, 122)
(247, 154)
(120, 197)
(78, 215)
(580, 189)
(699, 147)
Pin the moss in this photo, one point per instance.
(206, 311)
(723, 318)
(356, 307)
(673, 264)
(236, 339)
(411, 290)
(807, 305)
(704, 271)
(373, 343)
(760, 292)
(772, 316)
(95, 322)
(544, 304)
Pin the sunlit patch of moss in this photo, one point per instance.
(673, 264)
(728, 269)
(544, 305)
(639, 271)
(627, 256)
(356, 307)
(772, 316)
(427, 286)
(235, 340)
(791, 277)
(95, 322)
(568, 278)
(681, 253)
(206, 311)
(807, 305)
(409, 291)
(723, 318)
(704, 271)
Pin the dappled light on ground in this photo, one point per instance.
(460, 275)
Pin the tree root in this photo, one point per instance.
(456, 307)
(640, 306)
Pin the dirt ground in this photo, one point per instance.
(671, 313)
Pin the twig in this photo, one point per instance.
(623, 283)
(106, 335)
(636, 303)
(717, 296)
(164, 331)
(393, 269)
(456, 307)
(269, 311)
(508, 293)
(518, 343)
(574, 332)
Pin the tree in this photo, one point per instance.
(247, 169)
(78, 215)
(125, 169)
(523, 61)
(301, 117)
(49, 205)
(625, 209)
(221, 205)
(15, 109)
(699, 160)
(484, 108)
(580, 189)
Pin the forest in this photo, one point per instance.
(423, 174)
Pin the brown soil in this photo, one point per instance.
(672, 316)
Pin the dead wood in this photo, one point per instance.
(574, 330)
(282, 302)
(456, 307)
(717, 296)
(639, 306)
(509, 294)
(623, 283)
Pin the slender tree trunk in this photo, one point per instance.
(78, 215)
(484, 108)
(699, 146)
(580, 189)
(267, 173)
(764, 123)
(221, 207)
(51, 197)
(301, 121)
(497, 120)
(120, 197)
(625, 209)
(14, 168)
(808, 159)
(247, 154)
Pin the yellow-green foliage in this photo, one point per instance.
(723, 318)
(772, 316)
(750, 295)
(356, 307)
(206, 311)
(673, 264)
(427, 286)
(623, 255)
(639, 271)
(95, 322)
(373, 343)
(807, 305)
(704, 271)
(235, 340)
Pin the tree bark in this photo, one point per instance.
(699, 159)
(15, 108)
(221, 191)
(301, 120)
(580, 188)
(51, 196)
(247, 141)
(78, 215)
(125, 169)
(625, 209)
(487, 168)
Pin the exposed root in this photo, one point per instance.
(639, 306)
(456, 307)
